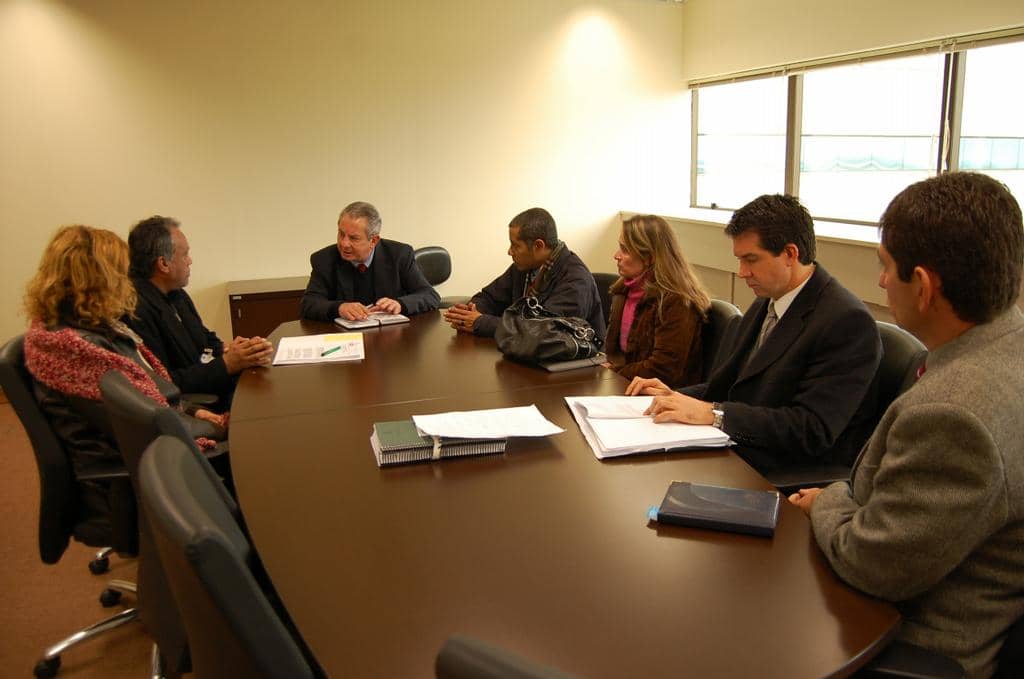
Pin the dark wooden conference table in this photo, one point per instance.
(544, 550)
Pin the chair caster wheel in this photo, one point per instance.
(110, 597)
(99, 566)
(47, 668)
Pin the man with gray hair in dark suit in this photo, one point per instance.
(363, 273)
(933, 519)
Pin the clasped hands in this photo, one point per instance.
(354, 311)
(247, 352)
(462, 316)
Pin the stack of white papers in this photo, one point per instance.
(487, 424)
(616, 425)
(331, 348)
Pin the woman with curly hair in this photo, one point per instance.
(75, 304)
(658, 306)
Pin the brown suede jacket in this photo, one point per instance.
(663, 344)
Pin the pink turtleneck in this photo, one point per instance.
(634, 293)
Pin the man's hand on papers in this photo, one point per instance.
(462, 316)
(804, 498)
(247, 352)
(675, 407)
(647, 386)
(353, 311)
(386, 305)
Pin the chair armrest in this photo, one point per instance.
(464, 657)
(192, 402)
(810, 476)
(907, 661)
(103, 471)
(452, 301)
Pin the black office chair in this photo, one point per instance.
(902, 356)
(436, 265)
(604, 283)
(59, 520)
(137, 421)
(464, 657)
(720, 315)
(233, 627)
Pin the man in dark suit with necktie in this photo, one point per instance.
(364, 273)
(794, 380)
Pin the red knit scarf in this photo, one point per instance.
(65, 361)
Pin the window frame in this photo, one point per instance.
(955, 49)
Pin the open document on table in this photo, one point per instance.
(331, 348)
(616, 425)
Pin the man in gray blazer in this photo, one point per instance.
(933, 519)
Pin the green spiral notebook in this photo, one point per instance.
(399, 442)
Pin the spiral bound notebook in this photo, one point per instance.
(399, 442)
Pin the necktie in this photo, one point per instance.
(769, 324)
(361, 268)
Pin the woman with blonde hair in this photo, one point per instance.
(75, 304)
(658, 306)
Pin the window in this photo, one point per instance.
(862, 130)
(992, 127)
(741, 141)
(869, 130)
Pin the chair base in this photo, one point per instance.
(49, 664)
(101, 562)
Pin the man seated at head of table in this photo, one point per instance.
(796, 384)
(542, 267)
(363, 273)
(167, 321)
(933, 518)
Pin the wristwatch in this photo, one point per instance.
(716, 410)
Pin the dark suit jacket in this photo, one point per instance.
(808, 395)
(571, 291)
(395, 275)
(170, 326)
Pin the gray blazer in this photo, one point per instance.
(935, 518)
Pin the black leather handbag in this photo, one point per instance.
(529, 332)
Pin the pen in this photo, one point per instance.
(330, 351)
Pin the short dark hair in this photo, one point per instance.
(966, 227)
(536, 223)
(149, 240)
(778, 220)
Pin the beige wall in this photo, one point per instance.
(255, 126)
(254, 123)
(725, 36)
